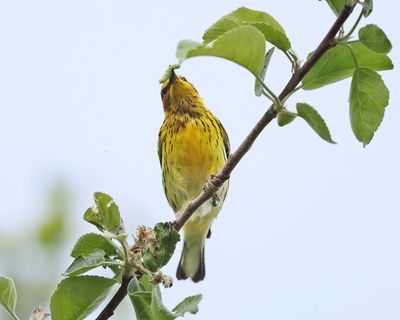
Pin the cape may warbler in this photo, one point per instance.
(192, 146)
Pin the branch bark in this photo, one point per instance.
(218, 180)
(109, 309)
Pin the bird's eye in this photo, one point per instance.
(184, 79)
(164, 92)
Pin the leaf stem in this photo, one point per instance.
(350, 42)
(125, 247)
(113, 263)
(352, 53)
(109, 309)
(293, 58)
(141, 268)
(266, 94)
(353, 28)
(275, 99)
(11, 313)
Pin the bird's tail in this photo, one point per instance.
(191, 265)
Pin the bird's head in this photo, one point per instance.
(178, 93)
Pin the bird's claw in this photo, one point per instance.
(215, 200)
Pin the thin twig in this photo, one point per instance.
(218, 180)
(109, 309)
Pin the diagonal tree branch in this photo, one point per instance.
(109, 309)
(218, 180)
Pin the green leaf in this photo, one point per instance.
(336, 5)
(285, 118)
(135, 286)
(83, 264)
(8, 295)
(158, 255)
(146, 283)
(141, 297)
(271, 29)
(368, 98)
(91, 251)
(147, 302)
(189, 304)
(141, 303)
(105, 214)
(159, 310)
(76, 297)
(244, 45)
(90, 242)
(312, 117)
(374, 39)
(338, 63)
(257, 86)
(367, 7)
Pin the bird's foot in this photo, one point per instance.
(215, 200)
(210, 185)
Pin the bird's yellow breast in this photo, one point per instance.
(196, 149)
(192, 149)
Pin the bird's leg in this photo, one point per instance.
(214, 198)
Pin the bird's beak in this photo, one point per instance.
(172, 77)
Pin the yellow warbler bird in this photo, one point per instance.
(192, 146)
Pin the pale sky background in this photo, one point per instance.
(309, 230)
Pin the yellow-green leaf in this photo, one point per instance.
(189, 304)
(75, 298)
(85, 263)
(8, 295)
(105, 214)
(90, 242)
(147, 301)
(368, 98)
(244, 45)
(258, 86)
(284, 118)
(336, 5)
(315, 121)
(271, 29)
(375, 39)
(338, 63)
(367, 7)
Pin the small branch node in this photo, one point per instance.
(211, 185)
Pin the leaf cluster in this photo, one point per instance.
(78, 295)
(244, 35)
